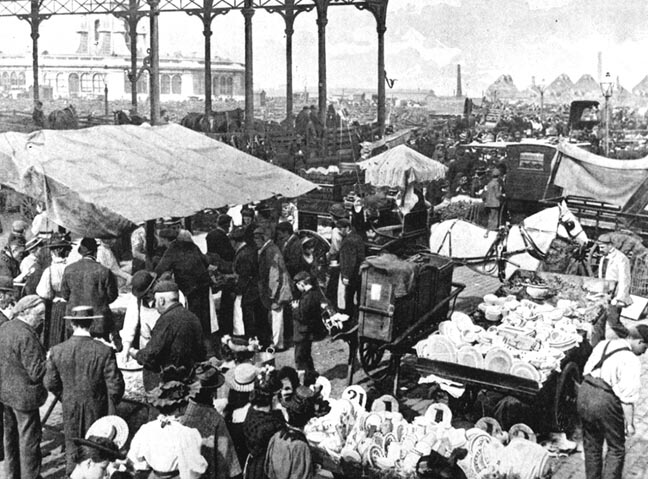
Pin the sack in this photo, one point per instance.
(237, 320)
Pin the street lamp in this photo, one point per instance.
(607, 87)
(105, 77)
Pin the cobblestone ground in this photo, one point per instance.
(331, 359)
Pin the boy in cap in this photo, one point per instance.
(606, 401)
(307, 320)
(84, 373)
(493, 196)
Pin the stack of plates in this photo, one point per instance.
(525, 370)
(469, 356)
(439, 348)
(498, 360)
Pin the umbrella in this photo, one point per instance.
(99, 181)
(401, 166)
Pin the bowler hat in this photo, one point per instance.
(301, 276)
(142, 282)
(83, 313)
(241, 378)
(208, 375)
(237, 234)
(6, 283)
(337, 210)
(88, 245)
(59, 241)
(166, 286)
(224, 220)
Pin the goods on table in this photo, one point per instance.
(381, 440)
(529, 342)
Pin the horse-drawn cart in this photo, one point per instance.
(400, 302)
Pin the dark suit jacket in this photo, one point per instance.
(219, 243)
(22, 367)
(246, 266)
(352, 254)
(84, 371)
(188, 265)
(307, 317)
(292, 252)
(88, 283)
(176, 339)
(275, 284)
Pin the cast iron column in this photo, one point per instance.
(132, 17)
(154, 54)
(290, 21)
(379, 10)
(322, 20)
(248, 12)
(34, 19)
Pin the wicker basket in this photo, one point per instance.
(639, 286)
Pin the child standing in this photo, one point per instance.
(307, 320)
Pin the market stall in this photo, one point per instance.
(529, 341)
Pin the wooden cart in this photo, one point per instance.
(389, 326)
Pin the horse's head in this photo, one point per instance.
(569, 226)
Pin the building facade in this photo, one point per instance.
(103, 59)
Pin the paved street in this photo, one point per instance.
(331, 358)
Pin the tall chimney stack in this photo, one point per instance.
(459, 93)
(600, 67)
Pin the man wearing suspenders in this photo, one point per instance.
(606, 399)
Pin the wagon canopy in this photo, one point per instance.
(400, 167)
(99, 181)
(619, 182)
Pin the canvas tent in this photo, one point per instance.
(99, 181)
(619, 182)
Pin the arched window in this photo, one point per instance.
(5, 80)
(86, 83)
(96, 30)
(143, 83)
(97, 83)
(176, 85)
(22, 79)
(223, 86)
(61, 84)
(165, 84)
(73, 84)
(216, 85)
(13, 79)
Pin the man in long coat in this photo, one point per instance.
(352, 254)
(22, 367)
(176, 338)
(246, 268)
(275, 285)
(221, 254)
(88, 283)
(190, 272)
(84, 372)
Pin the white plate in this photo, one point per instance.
(525, 370)
(440, 348)
(499, 360)
(469, 356)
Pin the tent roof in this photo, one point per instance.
(401, 166)
(98, 181)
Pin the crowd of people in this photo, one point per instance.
(60, 336)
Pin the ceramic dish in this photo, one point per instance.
(479, 450)
(439, 414)
(523, 431)
(387, 440)
(525, 370)
(489, 425)
(498, 360)
(440, 348)
(469, 356)
(373, 420)
(374, 453)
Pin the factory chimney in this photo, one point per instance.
(459, 92)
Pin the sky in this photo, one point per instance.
(425, 40)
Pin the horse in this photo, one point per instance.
(215, 122)
(501, 252)
(65, 119)
(123, 117)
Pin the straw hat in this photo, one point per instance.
(81, 313)
(110, 427)
(241, 378)
(102, 444)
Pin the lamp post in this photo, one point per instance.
(607, 87)
(105, 77)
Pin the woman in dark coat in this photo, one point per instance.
(263, 420)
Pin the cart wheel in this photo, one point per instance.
(565, 397)
(371, 359)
